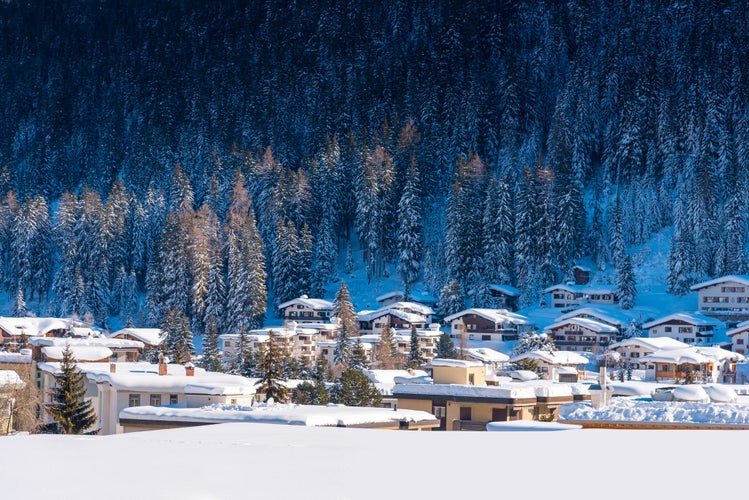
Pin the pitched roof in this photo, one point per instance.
(554, 358)
(486, 355)
(150, 336)
(737, 278)
(696, 319)
(741, 327)
(314, 304)
(495, 315)
(608, 315)
(32, 327)
(584, 289)
(652, 343)
(590, 324)
(508, 290)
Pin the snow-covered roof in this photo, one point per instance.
(692, 318)
(652, 343)
(583, 289)
(331, 415)
(487, 355)
(587, 323)
(405, 316)
(314, 304)
(740, 328)
(150, 336)
(462, 363)
(32, 327)
(612, 316)
(388, 376)
(732, 278)
(111, 343)
(495, 315)
(511, 390)
(553, 358)
(390, 295)
(9, 379)
(678, 357)
(508, 290)
(79, 352)
(22, 357)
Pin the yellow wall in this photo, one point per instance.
(458, 375)
(481, 412)
(415, 404)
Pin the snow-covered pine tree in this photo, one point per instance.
(625, 282)
(531, 341)
(359, 356)
(270, 368)
(69, 408)
(451, 299)
(211, 360)
(410, 230)
(343, 309)
(285, 262)
(616, 233)
(216, 293)
(19, 304)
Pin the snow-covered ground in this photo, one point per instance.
(260, 461)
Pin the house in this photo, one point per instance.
(690, 328)
(13, 330)
(491, 359)
(299, 342)
(630, 351)
(102, 349)
(504, 296)
(306, 310)
(707, 364)
(399, 315)
(462, 406)
(581, 274)
(151, 337)
(582, 334)
(571, 295)
(389, 298)
(739, 337)
(726, 297)
(553, 365)
(488, 324)
(115, 386)
(610, 315)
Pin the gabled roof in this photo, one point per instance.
(652, 343)
(590, 324)
(81, 353)
(695, 319)
(495, 315)
(611, 316)
(741, 327)
(410, 306)
(554, 358)
(314, 304)
(32, 327)
(584, 289)
(108, 342)
(460, 363)
(486, 355)
(736, 278)
(390, 295)
(151, 336)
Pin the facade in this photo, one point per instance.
(727, 296)
(306, 310)
(398, 315)
(610, 315)
(571, 295)
(632, 350)
(739, 337)
(487, 324)
(582, 334)
(504, 296)
(690, 328)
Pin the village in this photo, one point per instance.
(598, 351)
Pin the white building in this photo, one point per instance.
(582, 334)
(306, 310)
(690, 328)
(739, 337)
(564, 296)
(399, 315)
(151, 337)
(727, 295)
(488, 324)
(631, 350)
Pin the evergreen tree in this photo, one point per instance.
(530, 341)
(451, 298)
(446, 347)
(415, 356)
(386, 350)
(271, 372)
(409, 231)
(359, 356)
(625, 283)
(19, 304)
(211, 360)
(321, 371)
(353, 388)
(71, 411)
(310, 393)
(343, 310)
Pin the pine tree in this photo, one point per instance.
(625, 283)
(353, 388)
(343, 310)
(530, 341)
(410, 231)
(271, 372)
(415, 356)
(359, 356)
(69, 408)
(19, 304)
(310, 393)
(451, 298)
(446, 347)
(211, 360)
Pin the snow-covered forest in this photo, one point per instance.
(201, 157)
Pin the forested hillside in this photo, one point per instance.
(194, 156)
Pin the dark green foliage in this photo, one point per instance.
(353, 388)
(359, 356)
(211, 360)
(446, 347)
(310, 393)
(69, 408)
(415, 356)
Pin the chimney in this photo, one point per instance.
(189, 369)
(112, 367)
(162, 365)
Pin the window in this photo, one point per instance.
(739, 341)
(667, 329)
(173, 399)
(227, 343)
(134, 400)
(471, 379)
(439, 412)
(486, 337)
(465, 413)
(155, 400)
(685, 329)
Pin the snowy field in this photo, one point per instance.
(265, 461)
